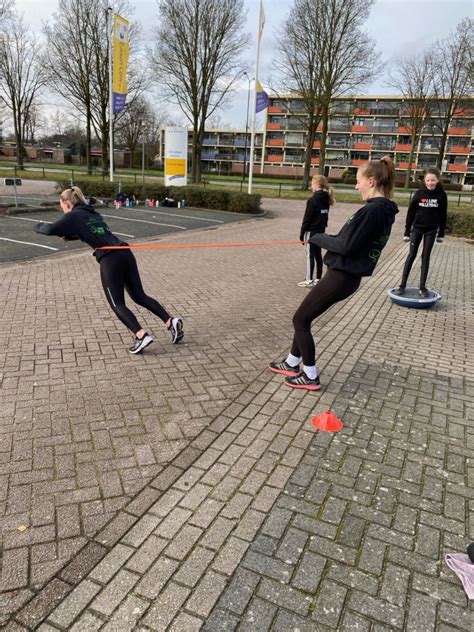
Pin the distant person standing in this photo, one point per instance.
(118, 268)
(315, 221)
(426, 216)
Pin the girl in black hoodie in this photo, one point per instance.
(351, 254)
(426, 216)
(118, 268)
(315, 221)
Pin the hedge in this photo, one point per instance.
(218, 199)
(460, 224)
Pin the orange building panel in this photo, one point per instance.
(404, 165)
(273, 126)
(461, 168)
(363, 146)
(275, 158)
(359, 128)
(458, 149)
(274, 109)
(275, 142)
(404, 130)
(317, 144)
(402, 147)
(357, 162)
(458, 131)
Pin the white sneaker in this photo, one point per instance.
(141, 343)
(305, 283)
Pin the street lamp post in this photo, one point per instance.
(246, 125)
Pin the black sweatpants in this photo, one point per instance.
(119, 272)
(313, 255)
(415, 240)
(335, 286)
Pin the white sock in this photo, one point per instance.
(293, 360)
(310, 371)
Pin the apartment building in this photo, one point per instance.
(366, 128)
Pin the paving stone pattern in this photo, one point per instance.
(187, 490)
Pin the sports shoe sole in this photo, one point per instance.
(286, 372)
(308, 387)
(179, 335)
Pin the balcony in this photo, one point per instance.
(402, 147)
(462, 168)
(274, 109)
(273, 158)
(359, 128)
(275, 142)
(273, 126)
(365, 146)
(458, 149)
(459, 131)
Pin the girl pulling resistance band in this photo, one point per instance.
(118, 268)
(351, 254)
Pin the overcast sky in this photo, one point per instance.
(399, 27)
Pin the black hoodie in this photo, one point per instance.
(358, 245)
(316, 215)
(427, 211)
(85, 223)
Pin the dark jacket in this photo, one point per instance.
(85, 223)
(316, 215)
(428, 211)
(358, 245)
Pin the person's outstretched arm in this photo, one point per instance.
(353, 236)
(65, 227)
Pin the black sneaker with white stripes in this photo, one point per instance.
(303, 381)
(141, 343)
(176, 330)
(284, 368)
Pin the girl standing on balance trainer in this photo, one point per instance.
(118, 268)
(351, 254)
(426, 216)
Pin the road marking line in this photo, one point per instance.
(27, 243)
(200, 219)
(143, 221)
(28, 219)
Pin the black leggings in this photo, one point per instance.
(119, 272)
(415, 240)
(313, 254)
(335, 286)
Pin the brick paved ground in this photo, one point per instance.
(185, 489)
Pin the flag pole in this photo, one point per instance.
(254, 98)
(111, 98)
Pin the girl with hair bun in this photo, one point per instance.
(351, 254)
(118, 268)
(315, 221)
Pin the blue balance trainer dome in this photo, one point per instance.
(411, 298)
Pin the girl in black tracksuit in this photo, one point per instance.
(426, 216)
(315, 221)
(118, 268)
(351, 254)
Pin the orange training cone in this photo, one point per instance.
(328, 422)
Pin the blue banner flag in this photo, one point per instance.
(262, 101)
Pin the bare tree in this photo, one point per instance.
(196, 59)
(413, 80)
(453, 78)
(138, 124)
(21, 78)
(323, 53)
(78, 59)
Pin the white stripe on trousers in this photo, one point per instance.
(307, 235)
